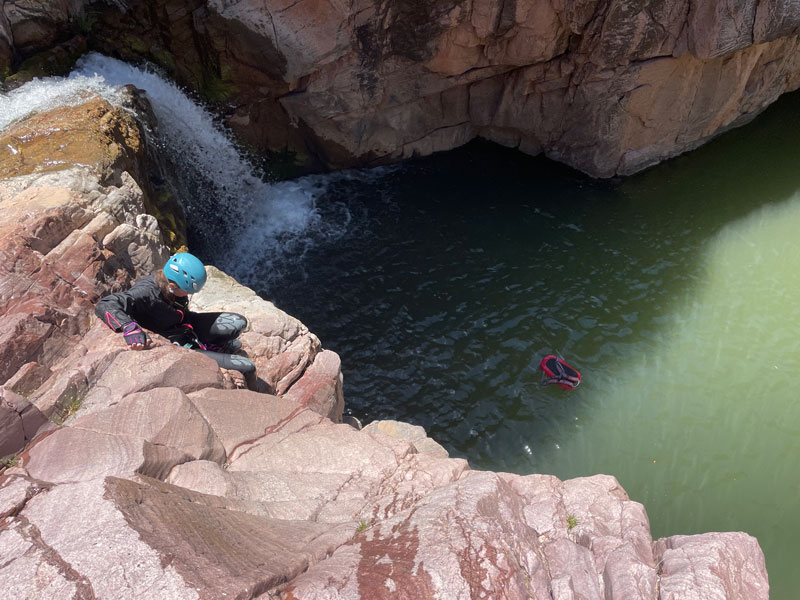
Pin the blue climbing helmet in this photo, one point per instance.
(186, 271)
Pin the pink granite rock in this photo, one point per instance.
(465, 540)
(160, 367)
(163, 416)
(242, 418)
(544, 77)
(291, 464)
(20, 422)
(320, 386)
(711, 565)
(114, 538)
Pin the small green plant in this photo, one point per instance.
(363, 526)
(73, 406)
(9, 461)
(216, 87)
(571, 522)
(68, 406)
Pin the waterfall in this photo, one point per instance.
(244, 225)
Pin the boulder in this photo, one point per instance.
(115, 538)
(164, 366)
(242, 418)
(722, 565)
(412, 433)
(320, 386)
(20, 422)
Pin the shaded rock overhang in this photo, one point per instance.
(608, 87)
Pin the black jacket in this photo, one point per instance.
(144, 304)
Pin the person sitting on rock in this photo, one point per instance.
(159, 302)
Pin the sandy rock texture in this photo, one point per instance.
(151, 475)
(606, 86)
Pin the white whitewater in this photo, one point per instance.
(262, 222)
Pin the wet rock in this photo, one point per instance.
(56, 61)
(93, 133)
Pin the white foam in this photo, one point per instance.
(41, 95)
(260, 220)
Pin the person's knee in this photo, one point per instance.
(229, 324)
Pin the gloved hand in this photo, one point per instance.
(134, 336)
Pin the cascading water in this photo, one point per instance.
(230, 208)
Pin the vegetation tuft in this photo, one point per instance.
(363, 526)
(9, 461)
(67, 407)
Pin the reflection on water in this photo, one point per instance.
(674, 292)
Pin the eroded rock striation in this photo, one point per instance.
(606, 86)
(152, 475)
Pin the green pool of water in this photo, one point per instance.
(675, 292)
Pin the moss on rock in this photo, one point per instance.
(56, 61)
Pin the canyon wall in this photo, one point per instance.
(606, 86)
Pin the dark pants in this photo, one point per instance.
(238, 363)
(216, 330)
